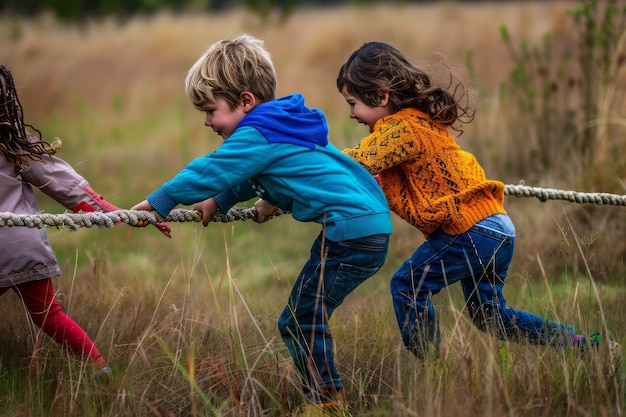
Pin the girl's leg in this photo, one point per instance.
(45, 311)
(334, 270)
(488, 310)
(489, 247)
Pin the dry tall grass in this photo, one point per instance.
(188, 324)
(98, 60)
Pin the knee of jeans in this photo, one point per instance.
(405, 297)
(286, 323)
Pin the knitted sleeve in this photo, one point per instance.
(389, 145)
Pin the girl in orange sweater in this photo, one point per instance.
(434, 185)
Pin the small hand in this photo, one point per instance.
(264, 211)
(143, 206)
(208, 208)
(162, 227)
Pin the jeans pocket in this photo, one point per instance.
(348, 277)
(498, 226)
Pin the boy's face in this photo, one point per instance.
(221, 118)
(363, 113)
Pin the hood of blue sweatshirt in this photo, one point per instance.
(288, 120)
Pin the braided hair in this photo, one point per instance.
(14, 142)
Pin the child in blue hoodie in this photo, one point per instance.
(277, 149)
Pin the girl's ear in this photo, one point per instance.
(383, 98)
(248, 101)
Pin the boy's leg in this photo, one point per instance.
(45, 311)
(334, 270)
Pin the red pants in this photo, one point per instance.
(46, 312)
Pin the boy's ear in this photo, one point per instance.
(248, 101)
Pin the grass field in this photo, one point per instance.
(188, 324)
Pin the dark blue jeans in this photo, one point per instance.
(479, 260)
(334, 270)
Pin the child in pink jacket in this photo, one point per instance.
(27, 162)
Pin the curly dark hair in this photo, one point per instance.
(377, 68)
(14, 142)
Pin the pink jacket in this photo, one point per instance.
(26, 254)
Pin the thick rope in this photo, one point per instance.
(74, 221)
(545, 194)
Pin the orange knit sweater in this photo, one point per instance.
(429, 181)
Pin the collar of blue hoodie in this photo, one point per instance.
(288, 120)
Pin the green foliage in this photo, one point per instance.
(559, 88)
(565, 102)
(265, 7)
(75, 10)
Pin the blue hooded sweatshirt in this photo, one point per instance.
(280, 152)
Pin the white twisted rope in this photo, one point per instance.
(545, 194)
(73, 221)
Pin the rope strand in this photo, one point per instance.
(74, 221)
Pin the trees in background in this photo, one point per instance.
(81, 9)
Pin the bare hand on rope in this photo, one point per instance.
(163, 227)
(208, 208)
(264, 211)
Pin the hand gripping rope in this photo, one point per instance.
(73, 221)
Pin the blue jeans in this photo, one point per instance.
(334, 270)
(479, 259)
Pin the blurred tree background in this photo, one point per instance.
(80, 9)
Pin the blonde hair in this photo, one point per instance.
(228, 68)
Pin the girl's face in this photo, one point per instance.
(363, 113)
(221, 118)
